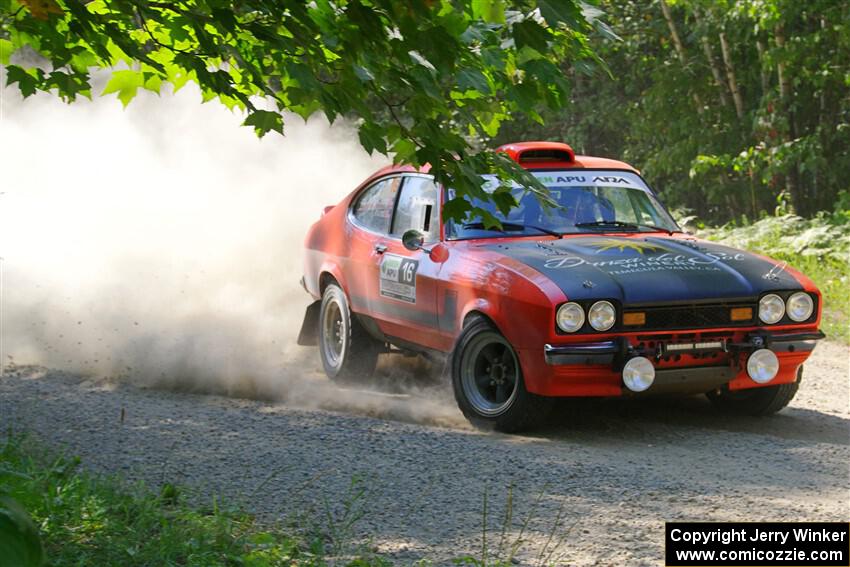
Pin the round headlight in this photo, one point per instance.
(570, 317)
(771, 308)
(800, 306)
(762, 366)
(602, 315)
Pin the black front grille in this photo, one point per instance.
(692, 317)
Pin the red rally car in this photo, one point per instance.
(602, 295)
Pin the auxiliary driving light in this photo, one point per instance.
(762, 366)
(771, 308)
(638, 374)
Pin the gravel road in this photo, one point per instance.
(604, 476)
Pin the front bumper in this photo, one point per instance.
(684, 362)
(612, 351)
(603, 352)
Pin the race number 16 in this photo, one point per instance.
(408, 271)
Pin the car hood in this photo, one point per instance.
(645, 270)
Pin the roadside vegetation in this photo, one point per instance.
(819, 247)
(54, 513)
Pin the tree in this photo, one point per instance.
(428, 81)
(772, 78)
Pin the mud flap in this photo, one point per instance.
(309, 335)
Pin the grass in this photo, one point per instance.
(83, 519)
(505, 553)
(58, 514)
(818, 247)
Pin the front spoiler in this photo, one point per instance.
(616, 352)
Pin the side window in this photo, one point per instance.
(418, 208)
(374, 207)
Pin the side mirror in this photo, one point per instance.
(413, 240)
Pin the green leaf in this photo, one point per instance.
(177, 76)
(504, 199)
(82, 61)
(19, 540)
(126, 84)
(264, 122)
(473, 79)
(405, 150)
(593, 16)
(225, 18)
(490, 124)
(68, 85)
(531, 34)
(6, 49)
(456, 209)
(492, 11)
(27, 83)
(372, 138)
(153, 82)
(488, 218)
(557, 11)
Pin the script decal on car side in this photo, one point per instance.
(398, 277)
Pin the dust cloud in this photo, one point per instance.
(162, 244)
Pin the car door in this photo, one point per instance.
(405, 283)
(371, 217)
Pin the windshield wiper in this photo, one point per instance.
(511, 226)
(621, 224)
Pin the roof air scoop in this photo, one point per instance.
(537, 154)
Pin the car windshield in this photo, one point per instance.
(588, 201)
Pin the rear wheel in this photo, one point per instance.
(348, 352)
(755, 401)
(488, 382)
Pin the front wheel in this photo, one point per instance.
(755, 401)
(488, 382)
(348, 352)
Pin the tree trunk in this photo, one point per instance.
(712, 63)
(680, 48)
(765, 77)
(715, 71)
(792, 185)
(821, 127)
(730, 74)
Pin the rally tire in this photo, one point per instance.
(763, 401)
(507, 406)
(349, 354)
